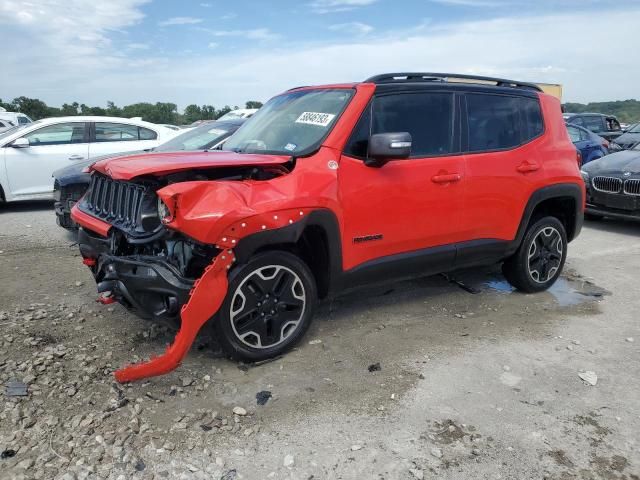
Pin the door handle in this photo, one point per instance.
(446, 178)
(526, 167)
(76, 157)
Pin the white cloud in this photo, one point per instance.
(331, 6)
(180, 21)
(213, 45)
(206, 5)
(473, 3)
(60, 64)
(229, 16)
(357, 28)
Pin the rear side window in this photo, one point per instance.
(59, 134)
(593, 123)
(499, 122)
(494, 122)
(575, 134)
(121, 132)
(428, 117)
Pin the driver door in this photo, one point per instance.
(408, 208)
(29, 168)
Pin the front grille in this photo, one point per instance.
(132, 207)
(632, 187)
(607, 184)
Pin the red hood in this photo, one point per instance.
(126, 168)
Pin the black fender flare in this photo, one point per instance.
(322, 218)
(559, 190)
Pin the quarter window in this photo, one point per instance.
(59, 134)
(428, 117)
(121, 132)
(23, 120)
(532, 118)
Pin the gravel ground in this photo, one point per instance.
(413, 380)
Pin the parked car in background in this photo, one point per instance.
(590, 145)
(16, 118)
(630, 137)
(239, 113)
(72, 181)
(5, 125)
(30, 153)
(613, 185)
(607, 126)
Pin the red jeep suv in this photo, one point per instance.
(328, 188)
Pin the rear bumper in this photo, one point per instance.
(149, 286)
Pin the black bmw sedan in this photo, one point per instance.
(613, 185)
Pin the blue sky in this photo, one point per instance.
(220, 52)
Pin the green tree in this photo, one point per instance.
(253, 104)
(112, 110)
(69, 110)
(192, 113)
(34, 108)
(223, 111)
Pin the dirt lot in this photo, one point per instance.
(474, 383)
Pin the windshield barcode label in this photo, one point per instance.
(315, 118)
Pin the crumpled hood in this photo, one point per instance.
(619, 162)
(164, 163)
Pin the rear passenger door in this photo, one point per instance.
(407, 205)
(113, 137)
(503, 166)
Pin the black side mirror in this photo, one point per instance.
(388, 146)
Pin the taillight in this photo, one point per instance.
(579, 158)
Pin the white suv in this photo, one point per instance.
(30, 153)
(16, 118)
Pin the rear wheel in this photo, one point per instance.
(538, 262)
(268, 308)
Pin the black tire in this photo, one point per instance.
(593, 217)
(534, 268)
(272, 296)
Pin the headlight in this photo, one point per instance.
(164, 212)
(585, 177)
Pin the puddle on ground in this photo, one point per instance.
(568, 290)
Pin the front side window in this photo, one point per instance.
(59, 134)
(428, 117)
(122, 132)
(294, 123)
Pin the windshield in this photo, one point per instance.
(634, 128)
(294, 123)
(202, 137)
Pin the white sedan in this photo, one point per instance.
(30, 153)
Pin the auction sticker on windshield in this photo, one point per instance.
(315, 118)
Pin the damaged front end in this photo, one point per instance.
(155, 270)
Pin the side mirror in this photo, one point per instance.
(21, 142)
(388, 146)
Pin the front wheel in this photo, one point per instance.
(538, 262)
(268, 308)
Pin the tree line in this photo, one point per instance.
(626, 111)
(160, 112)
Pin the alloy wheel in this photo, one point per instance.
(267, 306)
(545, 255)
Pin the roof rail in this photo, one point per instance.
(446, 77)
